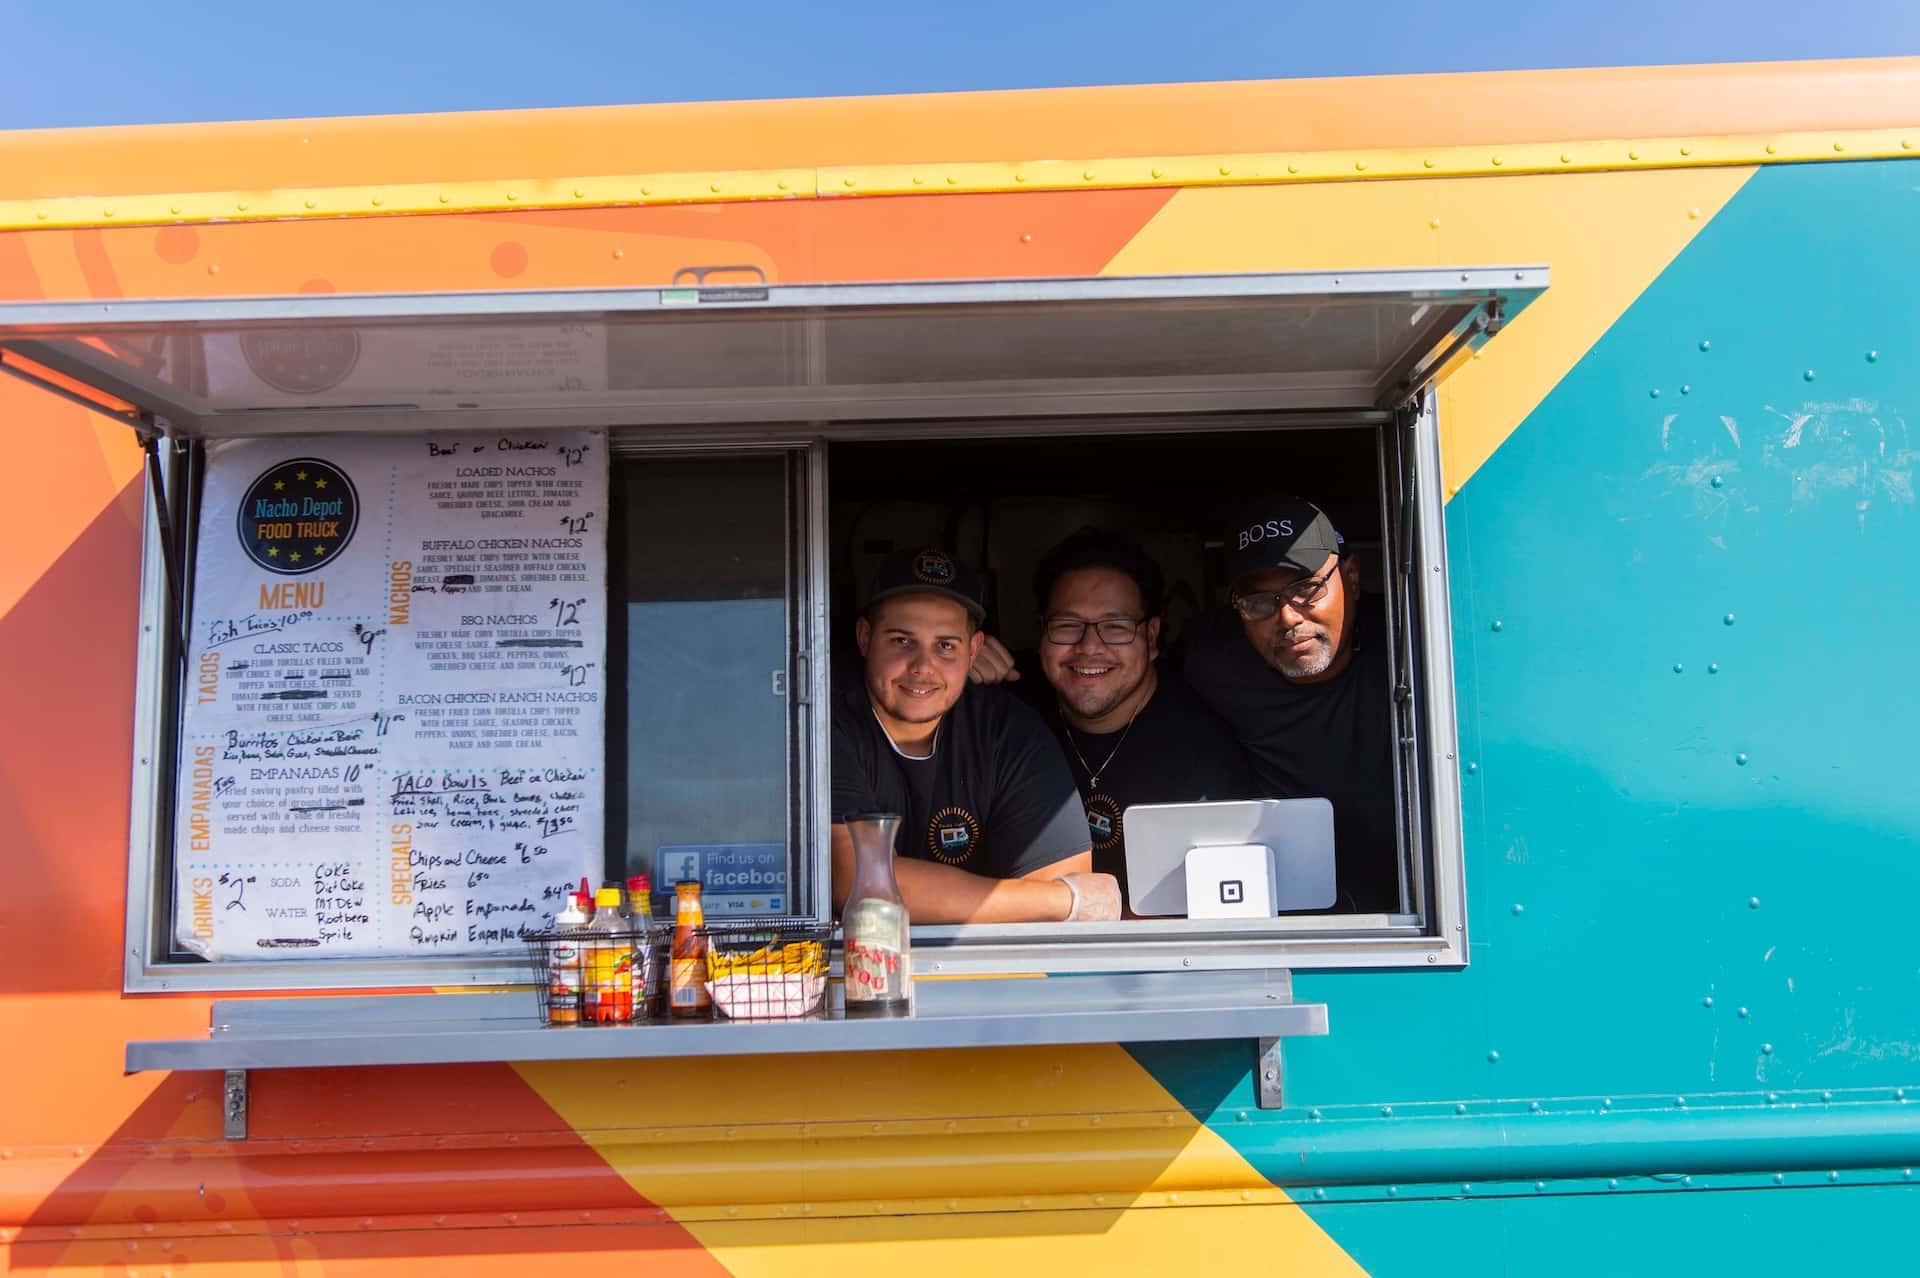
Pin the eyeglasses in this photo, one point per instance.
(1116, 632)
(1300, 596)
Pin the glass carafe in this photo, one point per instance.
(879, 961)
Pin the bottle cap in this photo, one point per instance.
(607, 897)
(640, 885)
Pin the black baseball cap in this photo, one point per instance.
(1280, 532)
(929, 572)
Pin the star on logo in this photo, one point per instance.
(319, 550)
(299, 474)
(319, 483)
(273, 552)
(295, 556)
(278, 484)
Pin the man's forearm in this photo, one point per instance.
(938, 893)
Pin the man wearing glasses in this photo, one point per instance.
(1303, 680)
(1131, 735)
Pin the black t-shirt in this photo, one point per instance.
(995, 797)
(1177, 751)
(1331, 740)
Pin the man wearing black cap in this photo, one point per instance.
(1303, 679)
(992, 830)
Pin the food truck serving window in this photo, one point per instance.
(451, 601)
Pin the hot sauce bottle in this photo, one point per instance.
(608, 962)
(687, 997)
(640, 921)
(563, 964)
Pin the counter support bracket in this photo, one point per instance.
(1269, 1073)
(233, 1105)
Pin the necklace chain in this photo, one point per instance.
(1093, 774)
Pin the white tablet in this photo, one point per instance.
(1159, 836)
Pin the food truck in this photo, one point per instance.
(411, 516)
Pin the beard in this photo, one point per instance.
(1091, 703)
(1315, 661)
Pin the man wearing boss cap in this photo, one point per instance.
(992, 829)
(1303, 680)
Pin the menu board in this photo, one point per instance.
(393, 729)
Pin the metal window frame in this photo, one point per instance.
(1433, 934)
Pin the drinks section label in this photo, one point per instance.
(394, 723)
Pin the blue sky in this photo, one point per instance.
(85, 62)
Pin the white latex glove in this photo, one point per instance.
(1096, 897)
(994, 664)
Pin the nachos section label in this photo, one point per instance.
(394, 721)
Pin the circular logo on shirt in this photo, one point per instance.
(297, 516)
(934, 568)
(952, 835)
(1103, 821)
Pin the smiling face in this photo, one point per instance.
(918, 649)
(1100, 683)
(1305, 643)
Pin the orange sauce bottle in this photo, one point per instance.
(687, 996)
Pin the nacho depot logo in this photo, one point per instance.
(953, 835)
(298, 516)
(933, 568)
(1103, 821)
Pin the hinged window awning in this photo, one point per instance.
(1355, 341)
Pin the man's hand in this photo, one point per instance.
(994, 664)
(1096, 897)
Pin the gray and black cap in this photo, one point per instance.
(1279, 532)
(929, 572)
